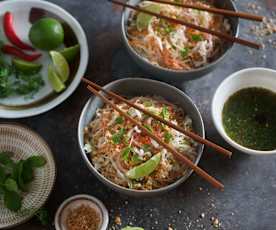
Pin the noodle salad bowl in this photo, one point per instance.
(115, 150)
(173, 52)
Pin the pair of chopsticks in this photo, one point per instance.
(221, 35)
(93, 87)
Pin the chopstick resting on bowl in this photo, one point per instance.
(168, 123)
(229, 13)
(221, 35)
(182, 158)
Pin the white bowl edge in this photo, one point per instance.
(251, 77)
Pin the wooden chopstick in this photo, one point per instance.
(168, 123)
(229, 13)
(224, 36)
(175, 153)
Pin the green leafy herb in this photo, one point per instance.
(36, 161)
(119, 120)
(11, 185)
(125, 153)
(196, 37)
(165, 114)
(117, 137)
(43, 216)
(12, 200)
(148, 128)
(15, 176)
(184, 52)
(168, 136)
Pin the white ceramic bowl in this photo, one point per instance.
(76, 201)
(45, 99)
(253, 77)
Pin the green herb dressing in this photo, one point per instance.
(249, 118)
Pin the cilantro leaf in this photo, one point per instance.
(119, 120)
(117, 137)
(165, 114)
(197, 37)
(125, 153)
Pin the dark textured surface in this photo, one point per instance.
(249, 200)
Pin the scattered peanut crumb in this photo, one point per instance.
(118, 220)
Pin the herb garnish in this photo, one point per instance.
(119, 120)
(117, 137)
(184, 52)
(196, 37)
(165, 114)
(15, 177)
(168, 136)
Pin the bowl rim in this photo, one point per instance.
(167, 70)
(233, 77)
(122, 189)
(101, 206)
(84, 56)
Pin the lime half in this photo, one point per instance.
(54, 79)
(26, 67)
(70, 53)
(61, 66)
(144, 169)
(143, 19)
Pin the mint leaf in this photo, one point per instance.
(36, 161)
(12, 201)
(27, 172)
(5, 159)
(2, 175)
(11, 185)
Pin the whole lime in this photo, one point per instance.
(46, 34)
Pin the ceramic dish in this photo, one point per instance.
(253, 77)
(75, 202)
(141, 87)
(168, 75)
(24, 143)
(25, 13)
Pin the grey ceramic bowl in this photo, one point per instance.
(132, 87)
(168, 75)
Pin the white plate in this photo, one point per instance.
(45, 99)
(24, 143)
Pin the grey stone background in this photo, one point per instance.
(249, 199)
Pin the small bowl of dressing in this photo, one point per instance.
(244, 110)
(81, 212)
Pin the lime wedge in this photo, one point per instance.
(71, 52)
(54, 79)
(25, 66)
(143, 19)
(144, 169)
(61, 66)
